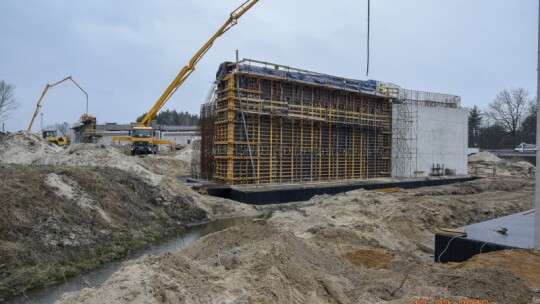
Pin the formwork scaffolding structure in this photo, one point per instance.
(273, 124)
(206, 127)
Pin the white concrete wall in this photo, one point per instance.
(179, 137)
(442, 138)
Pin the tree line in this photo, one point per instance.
(509, 120)
(168, 117)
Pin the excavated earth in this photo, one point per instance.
(63, 211)
(356, 247)
(486, 164)
(66, 210)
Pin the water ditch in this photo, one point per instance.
(96, 277)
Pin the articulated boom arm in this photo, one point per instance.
(188, 69)
(47, 87)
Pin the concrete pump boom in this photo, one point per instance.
(188, 69)
(47, 87)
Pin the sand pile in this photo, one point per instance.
(25, 148)
(484, 156)
(523, 263)
(478, 186)
(186, 153)
(486, 164)
(405, 221)
(258, 263)
(74, 218)
(156, 170)
(263, 264)
(170, 163)
(356, 247)
(163, 165)
(94, 155)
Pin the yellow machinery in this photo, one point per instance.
(142, 136)
(52, 137)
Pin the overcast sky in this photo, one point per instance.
(125, 53)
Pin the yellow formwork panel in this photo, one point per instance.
(270, 130)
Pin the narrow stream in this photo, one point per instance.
(97, 276)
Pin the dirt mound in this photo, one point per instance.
(486, 283)
(502, 168)
(404, 221)
(476, 186)
(94, 155)
(252, 263)
(523, 263)
(164, 165)
(488, 165)
(521, 168)
(169, 163)
(61, 220)
(186, 153)
(484, 156)
(356, 247)
(260, 263)
(25, 148)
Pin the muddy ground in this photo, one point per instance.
(356, 247)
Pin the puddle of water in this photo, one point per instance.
(96, 277)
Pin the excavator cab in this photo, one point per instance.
(52, 137)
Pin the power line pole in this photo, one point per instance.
(41, 116)
(537, 178)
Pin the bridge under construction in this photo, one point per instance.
(268, 123)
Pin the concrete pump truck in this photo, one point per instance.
(142, 136)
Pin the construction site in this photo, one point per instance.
(62, 227)
(268, 123)
(296, 186)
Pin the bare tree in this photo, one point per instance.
(7, 101)
(509, 108)
(528, 126)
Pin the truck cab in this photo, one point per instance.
(143, 141)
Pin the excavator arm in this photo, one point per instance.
(188, 69)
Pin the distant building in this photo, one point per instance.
(105, 132)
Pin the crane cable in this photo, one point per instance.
(368, 15)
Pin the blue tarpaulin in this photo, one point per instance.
(338, 82)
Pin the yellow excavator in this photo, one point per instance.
(142, 136)
(51, 135)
